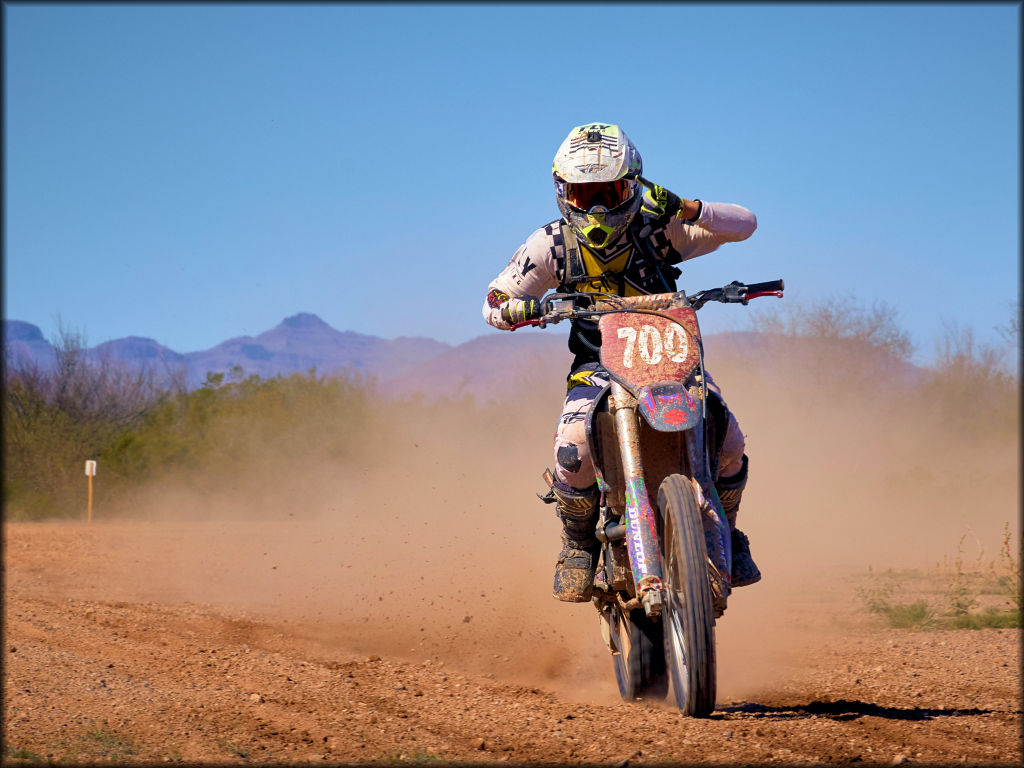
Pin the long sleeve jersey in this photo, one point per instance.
(632, 266)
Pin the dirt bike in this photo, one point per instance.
(664, 573)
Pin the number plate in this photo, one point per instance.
(641, 349)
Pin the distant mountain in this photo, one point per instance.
(491, 366)
(24, 346)
(304, 341)
(137, 350)
(301, 342)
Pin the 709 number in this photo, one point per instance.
(654, 345)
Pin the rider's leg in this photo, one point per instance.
(732, 479)
(730, 491)
(577, 562)
(576, 494)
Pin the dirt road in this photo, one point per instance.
(124, 641)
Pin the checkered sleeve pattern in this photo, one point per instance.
(531, 273)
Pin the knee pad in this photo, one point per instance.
(568, 457)
(573, 465)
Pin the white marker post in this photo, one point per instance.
(90, 471)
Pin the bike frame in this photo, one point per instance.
(650, 431)
(662, 381)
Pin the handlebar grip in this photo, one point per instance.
(770, 285)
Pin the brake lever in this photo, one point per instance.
(538, 321)
(759, 294)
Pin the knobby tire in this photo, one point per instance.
(688, 618)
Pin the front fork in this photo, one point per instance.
(641, 528)
(642, 541)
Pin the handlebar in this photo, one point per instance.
(556, 307)
(770, 286)
(738, 293)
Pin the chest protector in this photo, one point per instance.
(632, 267)
(629, 268)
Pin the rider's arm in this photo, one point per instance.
(529, 275)
(709, 226)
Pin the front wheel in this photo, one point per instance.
(688, 617)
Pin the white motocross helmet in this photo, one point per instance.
(595, 172)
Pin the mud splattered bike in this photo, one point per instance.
(664, 572)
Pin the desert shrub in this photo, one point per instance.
(970, 388)
(223, 429)
(1010, 331)
(914, 615)
(990, 617)
(1009, 564)
(966, 586)
(960, 596)
(841, 353)
(877, 596)
(840, 319)
(139, 429)
(832, 354)
(876, 593)
(55, 419)
(958, 589)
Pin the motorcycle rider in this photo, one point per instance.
(601, 244)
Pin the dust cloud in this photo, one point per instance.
(432, 545)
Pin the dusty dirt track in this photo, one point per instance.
(112, 651)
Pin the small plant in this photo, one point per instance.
(234, 749)
(916, 615)
(959, 594)
(1011, 573)
(110, 744)
(962, 590)
(98, 744)
(877, 593)
(991, 617)
(16, 753)
(877, 598)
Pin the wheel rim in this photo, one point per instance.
(676, 644)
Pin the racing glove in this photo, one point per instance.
(658, 201)
(516, 311)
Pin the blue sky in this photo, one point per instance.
(191, 173)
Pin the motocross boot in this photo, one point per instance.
(730, 491)
(577, 562)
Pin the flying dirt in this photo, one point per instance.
(396, 606)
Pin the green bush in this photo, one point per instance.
(991, 617)
(962, 591)
(56, 419)
(914, 615)
(139, 432)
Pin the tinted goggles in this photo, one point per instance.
(610, 194)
